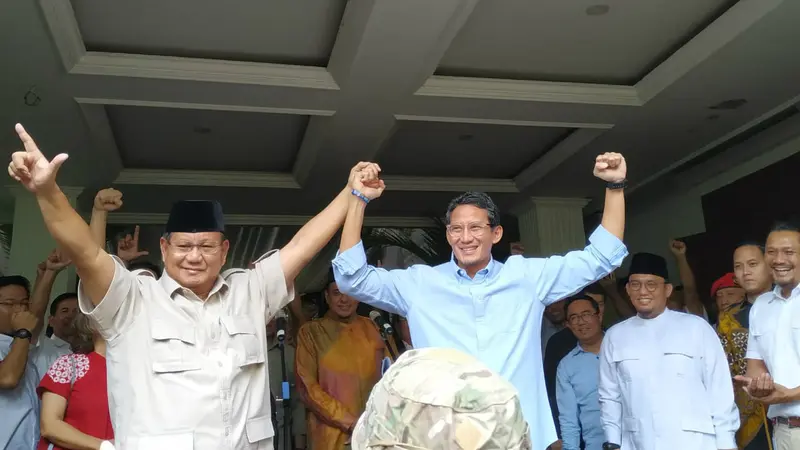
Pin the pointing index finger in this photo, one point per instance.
(27, 140)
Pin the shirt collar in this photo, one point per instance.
(481, 274)
(171, 286)
(776, 293)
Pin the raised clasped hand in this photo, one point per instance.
(365, 178)
(610, 167)
(31, 168)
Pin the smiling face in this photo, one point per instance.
(648, 294)
(342, 306)
(584, 321)
(194, 260)
(783, 248)
(471, 236)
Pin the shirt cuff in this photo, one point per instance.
(608, 245)
(726, 439)
(351, 260)
(614, 435)
(752, 354)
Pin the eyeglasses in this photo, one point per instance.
(651, 285)
(24, 303)
(584, 316)
(475, 229)
(184, 248)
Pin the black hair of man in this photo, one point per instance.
(59, 299)
(788, 225)
(478, 199)
(16, 280)
(595, 289)
(578, 297)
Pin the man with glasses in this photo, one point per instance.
(664, 378)
(576, 377)
(19, 427)
(186, 352)
(476, 304)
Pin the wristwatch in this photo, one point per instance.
(610, 446)
(614, 185)
(22, 333)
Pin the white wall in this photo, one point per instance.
(674, 209)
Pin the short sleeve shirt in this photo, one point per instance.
(81, 380)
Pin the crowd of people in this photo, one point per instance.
(563, 352)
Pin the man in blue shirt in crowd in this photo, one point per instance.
(475, 304)
(576, 378)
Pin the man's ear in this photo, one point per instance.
(498, 234)
(668, 289)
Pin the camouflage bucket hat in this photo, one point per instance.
(441, 399)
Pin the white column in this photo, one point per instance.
(551, 225)
(30, 240)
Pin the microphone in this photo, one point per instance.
(382, 324)
(280, 324)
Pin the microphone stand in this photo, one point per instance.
(385, 337)
(288, 436)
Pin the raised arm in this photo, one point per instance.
(38, 175)
(40, 299)
(372, 285)
(318, 231)
(105, 201)
(560, 276)
(717, 379)
(691, 297)
(609, 392)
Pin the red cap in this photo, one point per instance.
(726, 281)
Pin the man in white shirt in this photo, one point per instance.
(664, 377)
(186, 352)
(773, 346)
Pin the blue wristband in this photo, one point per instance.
(360, 195)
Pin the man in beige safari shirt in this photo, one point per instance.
(187, 352)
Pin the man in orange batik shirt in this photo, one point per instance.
(338, 361)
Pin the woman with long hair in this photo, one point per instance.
(74, 396)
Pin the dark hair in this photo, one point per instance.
(145, 265)
(59, 299)
(477, 199)
(330, 280)
(595, 289)
(750, 244)
(789, 225)
(578, 297)
(16, 280)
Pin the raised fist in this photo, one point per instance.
(31, 168)
(23, 320)
(108, 200)
(677, 247)
(610, 167)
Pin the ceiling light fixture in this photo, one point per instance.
(597, 10)
(31, 98)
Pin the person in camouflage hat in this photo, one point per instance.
(441, 399)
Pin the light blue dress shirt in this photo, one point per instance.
(496, 316)
(19, 407)
(578, 401)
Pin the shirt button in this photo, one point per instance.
(219, 363)
(227, 431)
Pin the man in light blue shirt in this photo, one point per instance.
(19, 377)
(576, 378)
(475, 304)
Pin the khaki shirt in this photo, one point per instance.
(187, 374)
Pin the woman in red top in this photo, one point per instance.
(75, 398)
